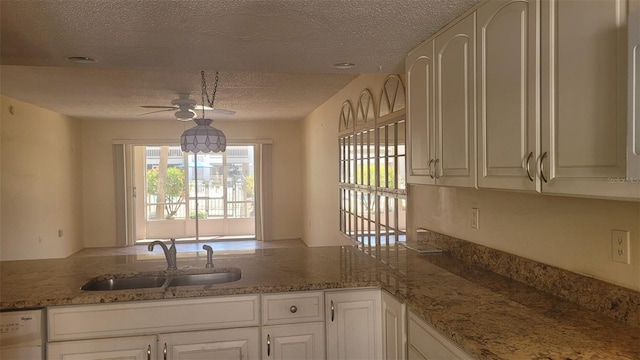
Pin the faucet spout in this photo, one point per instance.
(209, 255)
(169, 252)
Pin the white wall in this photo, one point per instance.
(321, 226)
(570, 233)
(41, 181)
(98, 185)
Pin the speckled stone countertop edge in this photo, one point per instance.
(483, 312)
(611, 300)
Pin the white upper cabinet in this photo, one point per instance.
(420, 65)
(455, 162)
(633, 96)
(552, 91)
(584, 113)
(508, 93)
(441, 108)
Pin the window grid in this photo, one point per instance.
(372, 178)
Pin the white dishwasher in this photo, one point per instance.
(21, 335)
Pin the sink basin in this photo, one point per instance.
(150, 281)
(102, 284)
(204, 279)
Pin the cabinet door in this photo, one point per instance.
(455, 104)
(303, 341)
(420, 110)
(583, 101)
(393, 328)
(633, 123)
(508, 78)
(226, 344)
(353, 324)
(130, 348)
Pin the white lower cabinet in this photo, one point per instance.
(293, 326)
(394, 324)
(427, 343)
(293, 341)
(354, 324)
(132, 347)
(225, 327)
(347, 324)
(226, 344)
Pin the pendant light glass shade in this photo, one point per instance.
(203, 138)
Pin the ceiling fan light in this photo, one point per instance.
(203, 138)
(185, 114)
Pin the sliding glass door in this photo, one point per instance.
(221, 184)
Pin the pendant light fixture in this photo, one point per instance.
(204, 137)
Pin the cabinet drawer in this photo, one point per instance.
(290, 308)
(151, 317)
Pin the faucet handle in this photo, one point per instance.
(209, 255)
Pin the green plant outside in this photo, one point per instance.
(174, 189)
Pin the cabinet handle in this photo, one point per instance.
(541, 166)
(149, 352)
(430, 172)
(332, 310)
(293, 309)
(435, 167)
(527, 167)
(165, 351)
(268, 345)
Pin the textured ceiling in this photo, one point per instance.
(275, 57)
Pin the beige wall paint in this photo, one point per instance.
(569, 233)
(98, 185)
(41, 181)
(321, 226)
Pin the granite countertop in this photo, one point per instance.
(488, 315)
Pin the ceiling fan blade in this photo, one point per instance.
(223, 112)
(158, 107)
(157, 111)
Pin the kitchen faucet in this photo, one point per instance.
(169, 253)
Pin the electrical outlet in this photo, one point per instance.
(475, 213)
(620, 247)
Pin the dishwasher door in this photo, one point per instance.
(21, 335)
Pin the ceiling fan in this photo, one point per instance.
(186, 108)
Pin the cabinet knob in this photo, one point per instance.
(293, 309)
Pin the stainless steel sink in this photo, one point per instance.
(150, 281)
(125, 283)
(205, 279)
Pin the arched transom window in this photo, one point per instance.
(372, 170)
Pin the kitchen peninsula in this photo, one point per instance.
(487, 315)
